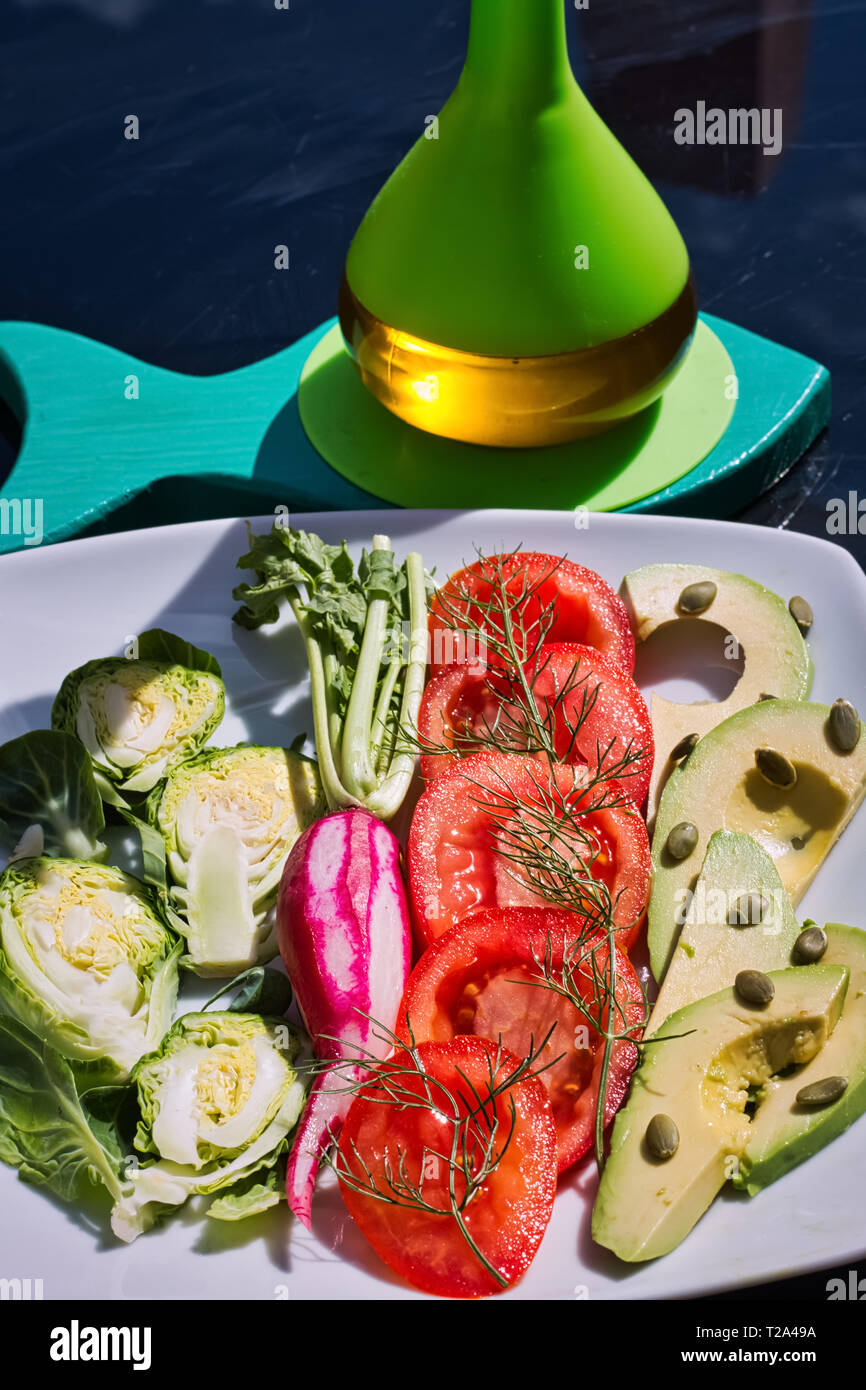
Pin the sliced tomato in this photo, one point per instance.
(476, 980)
(456, 866)
(594, 709)
(586, 608)
(509, 1210)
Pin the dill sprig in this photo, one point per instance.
(591, 961)
(478, 1141)
(514, 663)
(551, 848)
(508, 632)
(547, 840)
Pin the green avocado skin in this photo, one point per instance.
(789, 1134)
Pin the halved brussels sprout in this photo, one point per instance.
(218, 1100)
(228, 818)
(138, 717)
(85, 962)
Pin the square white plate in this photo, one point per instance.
(68, 603)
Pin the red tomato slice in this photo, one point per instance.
(509, 1211)
(565, 678)
(587, 609)
(455, 867)
(468, 982)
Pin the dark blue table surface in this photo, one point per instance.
(262, 126)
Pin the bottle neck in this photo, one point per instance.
(518, 49)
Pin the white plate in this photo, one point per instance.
(65, 604)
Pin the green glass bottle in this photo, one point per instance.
(517, 281)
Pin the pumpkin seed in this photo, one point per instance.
(823, 1092)
(683, 748)
(775, 768)
(754, 987)
(682, 840)
(662, 1137)
(843, 725)
(696, 598)
(810, 945)
(748, 910)
(802, 613)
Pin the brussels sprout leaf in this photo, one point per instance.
(154, 869)
(46, 782)
(158, 645)
(250, 1195)
(260, 990)
(44, 1130)
(112, 1113)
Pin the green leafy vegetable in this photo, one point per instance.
(250, 1196)
(259, 990)
(216, 1106)
(158, 645)
(45, 1131)
(227, 819)
(49, 801)
(86, 962)
(366, 680)
(138, 716)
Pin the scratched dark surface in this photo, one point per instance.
(262, 126)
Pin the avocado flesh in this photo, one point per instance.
(776, 660)
(644, 1207)
(710, 951)
(784, 1133)
(718, 787)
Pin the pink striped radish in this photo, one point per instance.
(344, 936)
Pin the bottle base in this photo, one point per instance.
(516, 402)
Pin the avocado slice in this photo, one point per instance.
(710, 950)
(776, 660)
(644, 1206)
(719, 787)
(783, 1133)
